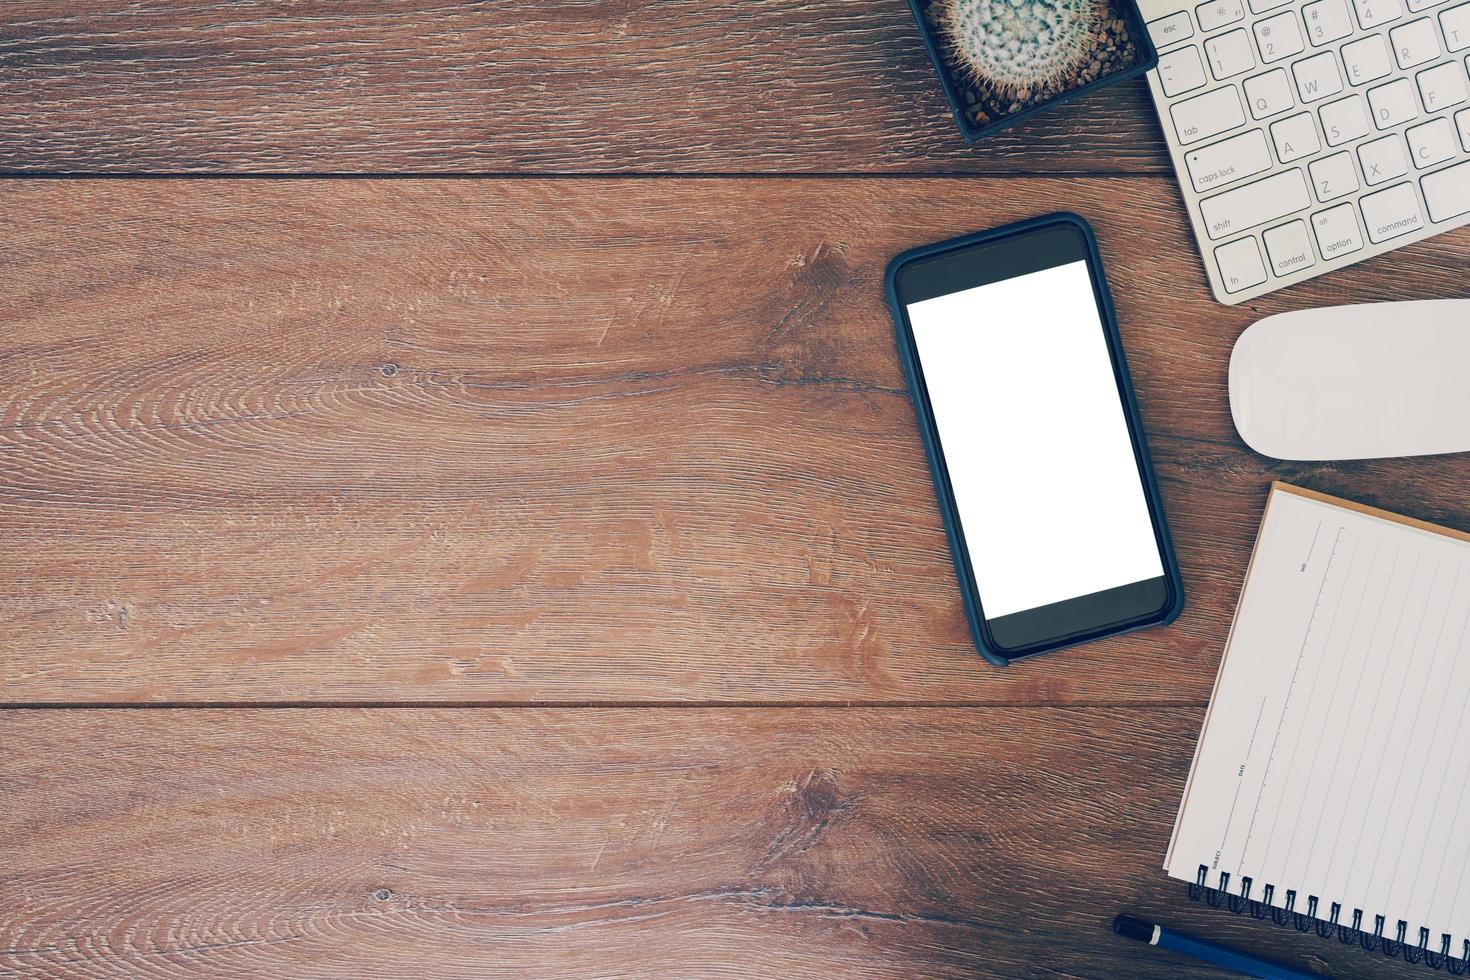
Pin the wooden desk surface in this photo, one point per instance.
(532, 570)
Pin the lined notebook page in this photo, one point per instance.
(1335, 758)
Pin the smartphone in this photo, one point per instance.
(1028, 418)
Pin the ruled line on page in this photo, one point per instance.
(1355, 663)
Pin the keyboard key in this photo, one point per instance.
(1431, 143)
(1219, 13)
(1441, 87)
(1295, 137)
(1414, 43)
(1279, 37)
(1448, 192)
(1371, 13)
(1181, 71)
(1391, 213)
(1327, 21)
(1366, 59)
(1166, 30)
(1383, 159)
(1229, 54)
(1289, 248)
(1455, 23)
(1240, 265)
(1344, 120)
(1255, 204)
(1333, 176)
(1317, 77)
(1392, 103)
(1230, 160)
(1270, 93)
(1207, 115)
(1337, 231)
(1307, 130)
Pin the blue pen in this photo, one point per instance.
(1251, 966)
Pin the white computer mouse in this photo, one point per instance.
(1355, 382)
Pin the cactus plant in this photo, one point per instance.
(1014, 47)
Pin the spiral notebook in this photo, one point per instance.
(1330, 790)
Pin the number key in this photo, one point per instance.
(1278, 37)
(1229, 54)
(1371, 13)
(1327, 21)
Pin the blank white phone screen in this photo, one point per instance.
(1033, 434)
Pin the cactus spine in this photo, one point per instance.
(1015, 47)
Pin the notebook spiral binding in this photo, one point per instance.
(1326, 926)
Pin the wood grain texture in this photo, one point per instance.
(618, 843)
(572, 86)
(566, 441)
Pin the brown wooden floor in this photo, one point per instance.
(536, 573)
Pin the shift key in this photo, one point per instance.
(1245, 207)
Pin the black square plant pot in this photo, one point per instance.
(1126, 10)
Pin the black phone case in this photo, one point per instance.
(928, 432)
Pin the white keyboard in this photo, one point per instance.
(1312, 134)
